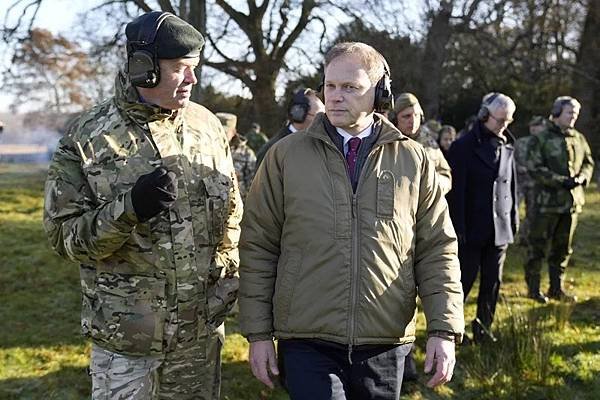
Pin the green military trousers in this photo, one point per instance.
(190, 371)
(557, 231)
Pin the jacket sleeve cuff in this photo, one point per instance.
(451, 336)
(258, 337)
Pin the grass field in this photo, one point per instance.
(544, 352)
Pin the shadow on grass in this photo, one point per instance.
(69, 383)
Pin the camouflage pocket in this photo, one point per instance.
(217, 188)
(220, 298)
(131, 313)
(100, 178)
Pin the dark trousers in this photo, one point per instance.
(488, 260)
(321, 370)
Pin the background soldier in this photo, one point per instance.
(560, 162)
(141, 191)
(408, 117)
(256, 139)
(244, 159)
(302, 109)
(526, 190)
(446, 137)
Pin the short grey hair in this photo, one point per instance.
(372, 60)
(495, 101)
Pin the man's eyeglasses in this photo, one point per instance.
(502, 121)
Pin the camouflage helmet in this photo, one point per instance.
(537, 120)
(405, 100)
(228, 120)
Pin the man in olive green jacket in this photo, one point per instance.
(141, 193)
(561, 164)
(345, 225)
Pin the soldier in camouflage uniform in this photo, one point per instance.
(256, 139)
(408, 117)
(142, 193)
(560, 162)
(526, 190)
(244, 159)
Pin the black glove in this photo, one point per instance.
(570, 183)
(153, 193)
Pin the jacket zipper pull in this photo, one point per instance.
(354, 206)
(350, 354)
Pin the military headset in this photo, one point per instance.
(484, 111)
(299, 106)
(384, 98)
(558, 106)
(142, 60)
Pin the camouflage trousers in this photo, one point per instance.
(556, 231)
(190, 371)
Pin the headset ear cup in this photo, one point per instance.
(483, 114)
(556, 110)
(299, 112)
(384, 99)
(142, 69)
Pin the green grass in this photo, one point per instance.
(544, 352)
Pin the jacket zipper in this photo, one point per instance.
(355, 243)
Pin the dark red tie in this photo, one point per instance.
(351, 155)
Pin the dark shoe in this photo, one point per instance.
(410, 368)
(560, 295)
(538, 296)
(481, 333)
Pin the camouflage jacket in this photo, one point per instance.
(444, 173)
(553, 157)
(244, 162)
(522, 146)
(256, 140)
(174, 276)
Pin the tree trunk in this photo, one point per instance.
(197, 18)
(266, 109)
(434, 57)
(586, 82)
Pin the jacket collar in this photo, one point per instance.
(481, 134)
(387, 132)
(127, 99)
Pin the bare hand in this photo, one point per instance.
(439, 353)
(263, 361)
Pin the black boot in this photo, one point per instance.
(556, 290)
(533, 286)
(410, 367)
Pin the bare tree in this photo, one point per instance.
(52, 71)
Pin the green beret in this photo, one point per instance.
(405, 100)
(228, 120)
(537, 120)
(175, 38)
